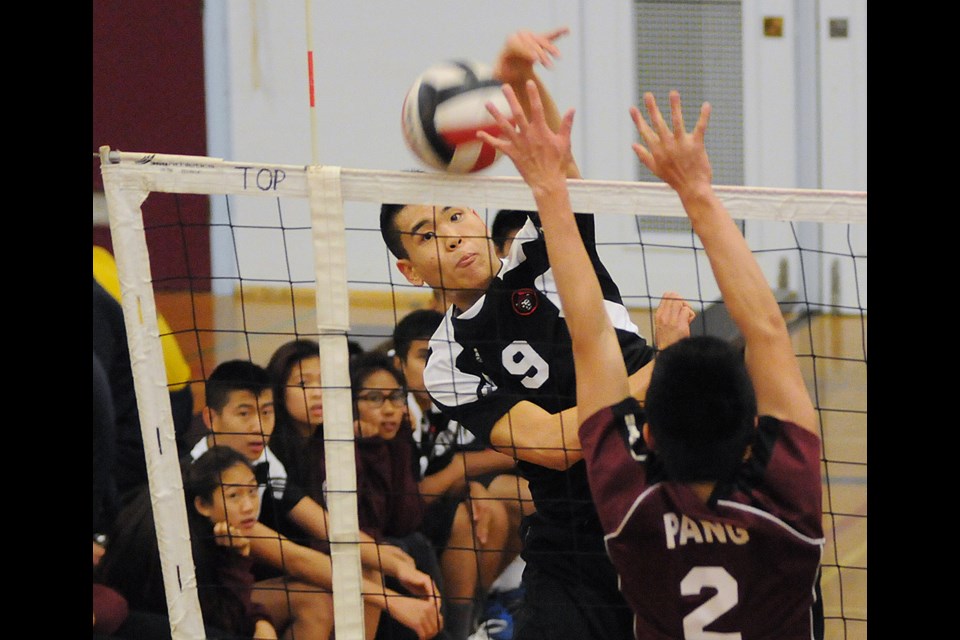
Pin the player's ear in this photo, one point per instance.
(202, 507)
(207, 414)
(409, 272)
(648, 436)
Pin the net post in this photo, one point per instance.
(124, 198)
(333, 323)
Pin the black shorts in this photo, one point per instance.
(571, 588)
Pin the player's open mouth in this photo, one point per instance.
(390, 427)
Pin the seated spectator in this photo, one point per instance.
(223, 501)
(178, 369)
(505, 226)
(129, 465)
(220, 490)
(389, 504)
(104, 454)
(472, 519)
(114, 620)
(240, 414)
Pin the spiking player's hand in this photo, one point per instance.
(522, 50)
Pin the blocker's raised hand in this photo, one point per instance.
(677, 157)
(540, 154)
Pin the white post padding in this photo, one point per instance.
(333, 322)
(125, 195)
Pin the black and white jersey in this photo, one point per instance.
(513, 345)
(438, 439)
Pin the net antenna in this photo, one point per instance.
(129, 177)
(311, 80)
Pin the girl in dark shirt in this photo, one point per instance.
(222, 506)
(389, 504)
(222, 503)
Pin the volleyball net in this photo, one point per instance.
(304, 243)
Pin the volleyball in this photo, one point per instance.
(444, 109)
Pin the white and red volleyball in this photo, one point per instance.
(443, 111)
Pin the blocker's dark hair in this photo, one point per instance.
(701, 408)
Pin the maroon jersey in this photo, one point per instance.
(743, 566)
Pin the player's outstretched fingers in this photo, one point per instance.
(566, 123)
(536, 104)
(700, 129)
(657, 122)
(676, 113)
(647, 135)
(550, 36)
(519, 117)
(506, 127)
(548, 50)
(508, 130)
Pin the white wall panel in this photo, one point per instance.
(367, 53)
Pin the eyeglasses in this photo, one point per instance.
(397, 398)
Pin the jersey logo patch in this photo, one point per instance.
(525, 301)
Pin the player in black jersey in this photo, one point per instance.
(710, 494)
(501, 365)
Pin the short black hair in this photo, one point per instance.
(388, 227)
(504, 222)
(354, 348)
(234, 375)
(416, 325)
(701, 408)
(389, 230)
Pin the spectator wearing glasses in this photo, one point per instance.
(390, 506)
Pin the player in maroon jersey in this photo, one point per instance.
(709, 493)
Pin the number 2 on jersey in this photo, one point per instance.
(698, 579)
